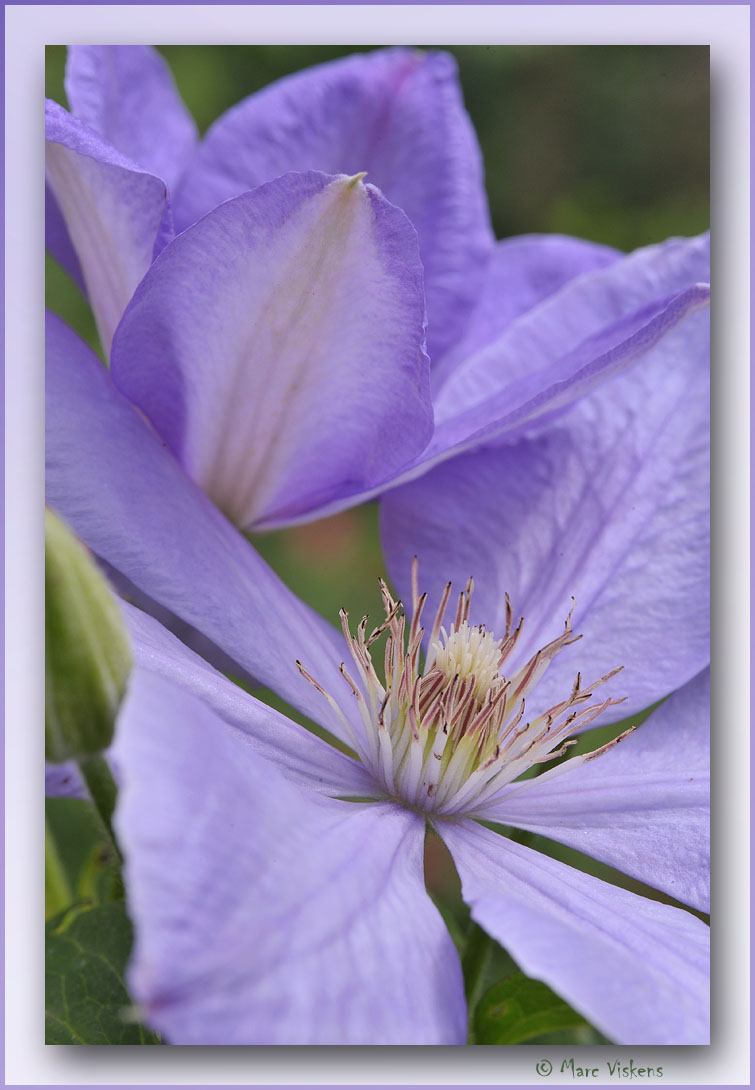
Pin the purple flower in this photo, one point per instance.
(298, 930)
(269, 909)
(283, 429)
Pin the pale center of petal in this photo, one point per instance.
(449, 736)
(294, 305)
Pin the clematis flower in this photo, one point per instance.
(515, 331)
(276, 883)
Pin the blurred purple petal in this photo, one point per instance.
(263, 914)
(277, 346)
(642, 807)
(610, 507)
(64, 781)
(127, 498)
(126, 93)
(112, 209)
(396, 114)
(637, 969)
(555, 352)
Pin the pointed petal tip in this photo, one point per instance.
(354, 180)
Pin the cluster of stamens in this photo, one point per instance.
(448, 738)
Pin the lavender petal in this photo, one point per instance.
(126, 94)
(642, 807)
(113, 212)
(609, 509)
(277, 347)
(637, 969)
(265, 914)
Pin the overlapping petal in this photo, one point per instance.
(522, 272)
(521, 383)
(188, 634)
(126, 93)
(637, 969)
(277, 346)
(642, 807)
(264, 914)
(396, 114)
(113, 210)
(610, 508)
(300, 755)
(126, 497)
(596, 325)
(586, 305)
(535, 399)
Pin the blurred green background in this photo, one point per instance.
(610, 143)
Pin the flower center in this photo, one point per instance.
(470, 652)
(450, 736)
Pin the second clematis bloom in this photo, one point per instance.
(516, 331)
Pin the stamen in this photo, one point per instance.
(452, 738)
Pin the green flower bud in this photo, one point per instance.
(87, 655)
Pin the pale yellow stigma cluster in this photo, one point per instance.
(470, 652)
(450, 736)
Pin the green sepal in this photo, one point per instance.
(519, 1008)
(86, 999)
(87, 654)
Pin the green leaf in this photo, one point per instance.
(519, 1008)
(86, 998)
